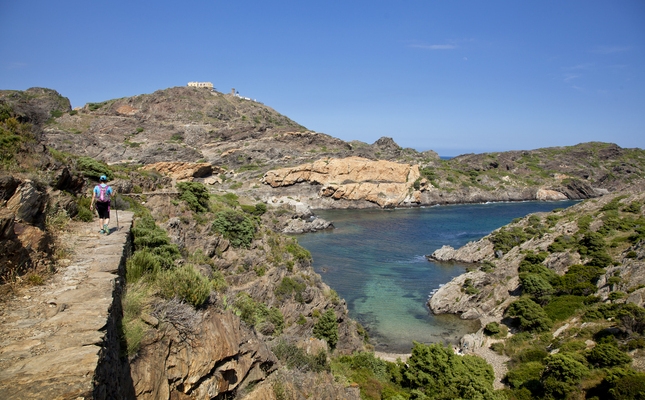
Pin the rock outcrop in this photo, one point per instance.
(385, 183)
(182, 171)
(210, 355)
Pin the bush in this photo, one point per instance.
(289, 286)
(434, 371)
(562, 243)
(256, 314)
(530, 315)
(326, 328)
(526, 375)
(186, 284)
(621, 384)
(580, 280)
(607, 355)
(258, 209)
(535, 285)
(141, 263)
(296, 358)
(298, 252)
(195, 195)
(148, 235)
(234, 226)
(92, 168)
(563, 307)
(505, 239)
(561, 375)
(492, 328)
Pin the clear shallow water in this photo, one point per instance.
(375, 260)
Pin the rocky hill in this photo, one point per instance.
(248, 140)
(578, 274)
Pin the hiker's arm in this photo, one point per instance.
(92, 201)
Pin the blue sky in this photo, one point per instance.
(452, 76)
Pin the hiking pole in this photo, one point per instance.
(117, 215)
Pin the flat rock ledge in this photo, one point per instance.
(60, 340)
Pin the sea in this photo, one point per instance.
(375, 260)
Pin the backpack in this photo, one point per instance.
(104, 195)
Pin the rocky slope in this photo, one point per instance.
(497, 283)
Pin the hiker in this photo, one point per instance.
(101, 197)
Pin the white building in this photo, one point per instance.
(207, 85)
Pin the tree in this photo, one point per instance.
(327, 328)
(435, 371)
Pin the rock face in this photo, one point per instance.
(182, 171)
(211, 355)
(385, 183)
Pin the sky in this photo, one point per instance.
(450, 76)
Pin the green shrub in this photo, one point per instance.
(229, 199)
(296, 358)
(633, 207)
(621, 384)
(184, 283)
(141, 263)
(613, 204)
(497, 347)
(148, 235)
(367, 361)
(580, 280)
(234, 226)
(535, 285)
(218, 282)
(530, 315)
(84, 213)
(564, 368)
(607, 355)
(298, 252)
(562, 243)
(92, 168)
(133, 330)
(265, 319)
(563, 307)
(505, 239)
(195, 195)
(435, 371)
(289, 286)
(492, 328)
(326, 328)
(526, 375)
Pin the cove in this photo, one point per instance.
(375, 260)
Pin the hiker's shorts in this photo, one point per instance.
(103, 209)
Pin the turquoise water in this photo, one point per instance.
(375, 260)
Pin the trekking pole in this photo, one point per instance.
(117, 216)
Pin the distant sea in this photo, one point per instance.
(375, 260)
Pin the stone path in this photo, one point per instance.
(54, 337)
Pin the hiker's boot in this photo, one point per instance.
(105, 229)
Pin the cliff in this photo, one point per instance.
(385, 183)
